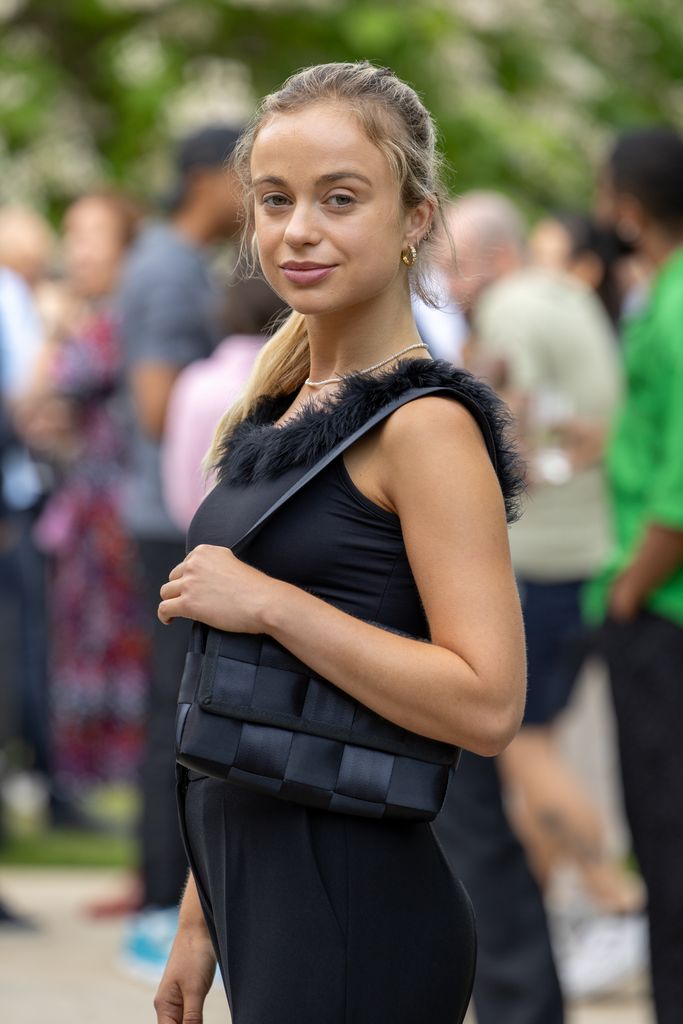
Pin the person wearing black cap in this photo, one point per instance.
(637, 598)
(168, 306)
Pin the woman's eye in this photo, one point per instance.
(340, 200)
(276, 200)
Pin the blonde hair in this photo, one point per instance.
(397, 122)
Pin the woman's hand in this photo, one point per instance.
(187, 978)
(211, 585)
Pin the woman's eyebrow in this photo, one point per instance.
(337, 175)
(269, 179)
(273, 179)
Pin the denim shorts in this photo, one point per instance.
(557, 644)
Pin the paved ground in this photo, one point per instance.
(67, 971)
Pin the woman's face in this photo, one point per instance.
(93, 247)
(329, 224)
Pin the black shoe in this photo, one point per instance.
(8, 919)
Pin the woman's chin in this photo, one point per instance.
(316, 305)
(309, 304)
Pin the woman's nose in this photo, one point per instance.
(302, 225)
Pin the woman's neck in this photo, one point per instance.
(357, 337)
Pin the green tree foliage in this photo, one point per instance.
(527, 93)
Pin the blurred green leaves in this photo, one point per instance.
(527, 93)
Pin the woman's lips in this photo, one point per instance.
(306, 275)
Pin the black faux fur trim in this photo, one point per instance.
(257, 450)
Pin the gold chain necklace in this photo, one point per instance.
(338, 378)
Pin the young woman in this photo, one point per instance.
(316, 916)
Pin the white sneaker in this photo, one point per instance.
(598, 955)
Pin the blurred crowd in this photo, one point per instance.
(125, 333)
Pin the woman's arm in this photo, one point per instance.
(191, 965)
(467, 687)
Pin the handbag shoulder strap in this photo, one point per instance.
(346, 442)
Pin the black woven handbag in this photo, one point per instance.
(253, 714)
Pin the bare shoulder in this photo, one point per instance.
(432, 454)
(431, 422)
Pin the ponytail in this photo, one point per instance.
(281, 366)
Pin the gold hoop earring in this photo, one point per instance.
(410, 256)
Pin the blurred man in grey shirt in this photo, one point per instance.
(168, 306)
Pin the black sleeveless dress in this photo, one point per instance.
(316, 917)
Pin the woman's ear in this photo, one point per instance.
(418, 222)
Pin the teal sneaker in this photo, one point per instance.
(147, 943)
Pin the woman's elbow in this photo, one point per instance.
(498, 726)
(498, 739)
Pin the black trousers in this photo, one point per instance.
(516, 981)
(164, 864)
(323, 918)
(24, 641)
(645, 659)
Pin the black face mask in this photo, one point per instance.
(614, 246)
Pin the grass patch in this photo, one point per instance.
(29, 838)
(69, 848)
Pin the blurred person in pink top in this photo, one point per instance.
(203, 391)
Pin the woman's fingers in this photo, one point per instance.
(168, 1004)
(169, 1015)
(170, 609)
(185, 1013)
(171, 589)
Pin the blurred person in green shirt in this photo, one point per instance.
(638, 596)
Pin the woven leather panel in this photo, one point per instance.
(256, 679)
(253, 714)
(318, 772)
